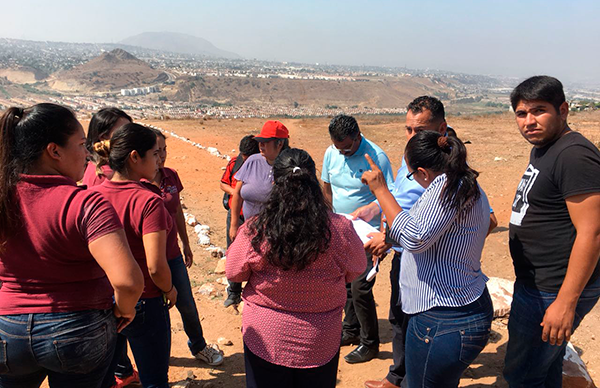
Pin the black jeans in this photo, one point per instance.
(360, 318)
(399, 321)
(233, 287)
(263, 374)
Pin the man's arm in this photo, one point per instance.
(584, 211)
(226, 188)
(328, 193)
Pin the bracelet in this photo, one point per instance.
(170, 289)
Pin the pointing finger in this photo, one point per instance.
(371, 163)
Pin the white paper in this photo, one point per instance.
(362, 228)
(373, 271)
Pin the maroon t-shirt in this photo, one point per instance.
(91, 177)
(170, 187)
(141, 212)
(47, 266)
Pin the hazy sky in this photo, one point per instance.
(513, 38)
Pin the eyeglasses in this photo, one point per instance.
(409, 176)
(346, 150)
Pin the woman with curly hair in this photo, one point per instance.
(297, 256)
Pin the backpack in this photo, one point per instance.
(236, 166)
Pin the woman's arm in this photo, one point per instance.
(182, 231)
(112, 253)
(226, 188)
(155, 247)
(236, 208)
(237, 267)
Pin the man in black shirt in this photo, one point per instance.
(554, 236)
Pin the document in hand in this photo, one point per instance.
(363, 228)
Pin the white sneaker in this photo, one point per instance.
(211, 355)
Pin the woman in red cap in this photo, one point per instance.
(255, 180)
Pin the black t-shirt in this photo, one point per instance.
(541, 231)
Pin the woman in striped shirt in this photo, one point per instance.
(443, 287)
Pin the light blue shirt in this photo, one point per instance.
(343, 173)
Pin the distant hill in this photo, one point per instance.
(109, 72)
(371, 92)
(178, 43)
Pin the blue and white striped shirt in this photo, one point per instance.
(441, 263)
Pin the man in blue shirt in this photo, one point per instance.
(343, 166)
(424, 113)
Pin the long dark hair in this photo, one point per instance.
(129, 137)
(293, 228)
(101, 123)
(429, 149)
(24, 134)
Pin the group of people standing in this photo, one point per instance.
(435, 218)
(86, 270)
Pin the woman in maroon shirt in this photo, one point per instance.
(168, 183)
(58, 245)
(102, 125)
(132, 154)
(297, 256)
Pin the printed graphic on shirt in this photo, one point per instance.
(521, 203)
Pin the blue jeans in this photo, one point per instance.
(149, 336)
(73, 349)
(443, 341)
(187, 305)
(530, 362)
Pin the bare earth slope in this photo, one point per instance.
(108, 72)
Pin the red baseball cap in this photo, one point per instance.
(272, 130)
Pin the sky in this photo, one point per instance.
(508, 38)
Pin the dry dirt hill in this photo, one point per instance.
(381, 92)
(108, 72)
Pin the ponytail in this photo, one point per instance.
(9, 209)
(442, 154)
(102, 150)
(24, 134)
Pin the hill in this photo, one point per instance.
(178, 43)
(109, 72)
(374, 92)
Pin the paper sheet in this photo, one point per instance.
(363, 228)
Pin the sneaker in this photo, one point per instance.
(211, 355)
(134, 378)
(233, 298)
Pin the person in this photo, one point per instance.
(292, 339)
(255, 177)
(554, 236)
(102, 125)
(132, 154)
(424, 113)
(248, 147)
(168, 185)
(443, 287)
(62, 254)
(343, 165)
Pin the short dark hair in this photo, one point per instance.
(432, 104)
(249, 146)
(342, 126)
(540, 87)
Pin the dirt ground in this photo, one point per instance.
(497, 151)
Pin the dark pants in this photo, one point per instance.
(234, 287)
(531, 362)
(399, 321)
(443, 341)
(72, 349)
(263, 374)
(360, 318)
(149, 336)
